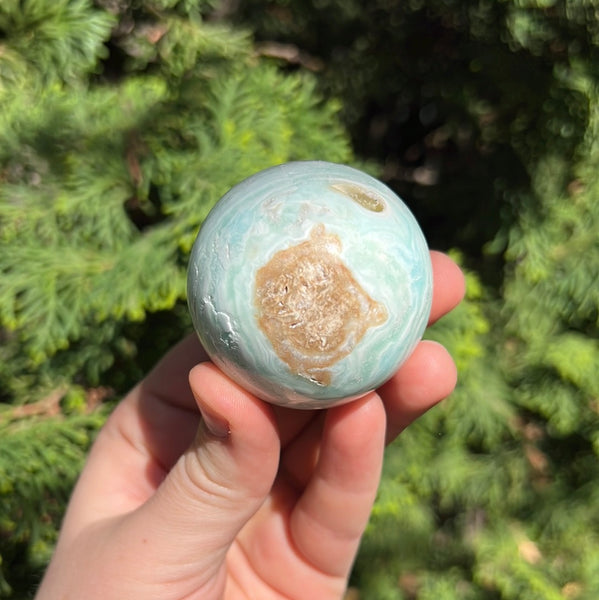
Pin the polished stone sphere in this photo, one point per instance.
(309, 284)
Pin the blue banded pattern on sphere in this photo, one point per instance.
(309, 284)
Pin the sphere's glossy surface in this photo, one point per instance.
(309, 284)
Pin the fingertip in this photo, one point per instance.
(354, 441)
(230, 409)
(430, 374)
(355, 434)
(364, 417)
(449, 285)
(425, 379)
(442, 368)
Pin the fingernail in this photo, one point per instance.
(216, 425)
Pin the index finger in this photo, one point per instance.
(448, 285)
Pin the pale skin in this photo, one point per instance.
(197, 490)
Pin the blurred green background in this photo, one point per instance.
(123, 121)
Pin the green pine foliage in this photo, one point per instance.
(484, 117)
(122, 122)
(121, 125)
(41, 458)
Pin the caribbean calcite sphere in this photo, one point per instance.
(309, 284)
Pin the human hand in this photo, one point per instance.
(208, 492)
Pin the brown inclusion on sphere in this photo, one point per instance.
(364, 197)
(311, 308)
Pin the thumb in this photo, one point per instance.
(214, 488)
